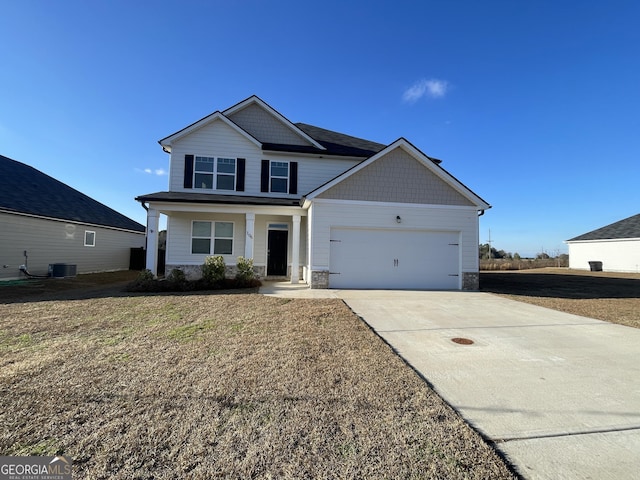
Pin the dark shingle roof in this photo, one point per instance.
(23, 189)
(335, 144)
(627, 228)
(339, 143)
(186, 197)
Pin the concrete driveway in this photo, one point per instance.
(559, 394)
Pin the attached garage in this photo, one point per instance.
(394, 259)
(395, 221)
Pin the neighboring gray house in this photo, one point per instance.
(43, 222)
(617, 246)
(314, 205)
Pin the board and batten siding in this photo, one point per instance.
(219, 140)
(616, 255)
(57, 241)
(326, 214)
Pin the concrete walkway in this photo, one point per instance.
(559, 394)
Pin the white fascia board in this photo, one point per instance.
(167, 142)
(439, 206)
(604, 240)
(418, 155)
(169, 207)
(284, 120)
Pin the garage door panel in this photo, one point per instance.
(370, 258)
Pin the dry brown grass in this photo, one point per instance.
(613, 297)
(221, 386)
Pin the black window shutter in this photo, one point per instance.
(293, 177)
(188, 171)
(241, 162)
(264, 176)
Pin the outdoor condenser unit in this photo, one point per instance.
(62, 270)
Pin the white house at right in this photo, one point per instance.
(617, 246)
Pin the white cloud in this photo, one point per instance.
(158, 171)
(433, 88)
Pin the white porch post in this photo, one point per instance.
(153, 221)
(250, 226)
(295, 254)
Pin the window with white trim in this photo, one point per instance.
(279, 177)
(89, 238)
(218, 171)
(212, 238)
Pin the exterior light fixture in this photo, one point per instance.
(398, 219)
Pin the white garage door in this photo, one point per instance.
(394, 259)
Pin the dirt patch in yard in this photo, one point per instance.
(613, 297)
(221, 386)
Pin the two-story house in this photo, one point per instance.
(311, 204)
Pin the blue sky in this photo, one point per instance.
(533, 105)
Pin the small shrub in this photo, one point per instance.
(177, 276)
(144, 276)
(213, 269)
(245, 269)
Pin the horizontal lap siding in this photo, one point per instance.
(616, 256)
(218, 139)
(327, 215)
(179, 237)
(52, 241)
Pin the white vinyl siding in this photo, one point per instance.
(56, 241)
(216, 140)
(619, 255)
(179, 237)
(219, 140)
(180, 229)
(333, 213)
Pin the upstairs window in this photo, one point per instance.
(218, 171)
(279, 177)
(203, 172)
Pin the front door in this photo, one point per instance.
(277, 252)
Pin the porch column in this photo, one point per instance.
(295, 254)
(153, 221)
(248, 242)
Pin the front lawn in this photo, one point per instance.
(222, 386)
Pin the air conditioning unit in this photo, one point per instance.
(62, 270)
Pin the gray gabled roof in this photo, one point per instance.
(23, 189)
(627, 228)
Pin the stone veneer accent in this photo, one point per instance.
(194, 272)
(319, 279)
(470, 280)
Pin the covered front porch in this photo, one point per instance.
(274, 236)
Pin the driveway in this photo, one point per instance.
(559, 394)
